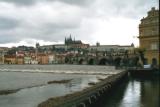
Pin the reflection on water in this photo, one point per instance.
(133, 93)
(150, 92)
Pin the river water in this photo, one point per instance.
(133, 92)
(32, 82)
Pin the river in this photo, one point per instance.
(29, 83)
(31, 80)
(133, 92)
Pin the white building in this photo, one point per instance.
(52, 58)
(114, 48)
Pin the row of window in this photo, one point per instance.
(149, 33)
(154, 46)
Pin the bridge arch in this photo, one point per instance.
(117, 61)
(67, 60)
(103, 61)
(81, 61)
(91, 61)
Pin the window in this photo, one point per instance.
(154, 46)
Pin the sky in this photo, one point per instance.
(109, 22)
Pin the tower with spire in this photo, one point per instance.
(69, 40)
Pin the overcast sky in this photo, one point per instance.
(110, 22)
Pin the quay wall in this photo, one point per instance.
(144, 73)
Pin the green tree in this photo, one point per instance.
(141, 52)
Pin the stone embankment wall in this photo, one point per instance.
(87, 96)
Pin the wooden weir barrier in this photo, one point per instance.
(87, 96)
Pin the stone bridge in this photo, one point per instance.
(102, 60)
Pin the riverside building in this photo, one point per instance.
(149, 36)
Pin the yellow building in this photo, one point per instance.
(149, 35)
(43, 58)
(10, 59)
(20, 60)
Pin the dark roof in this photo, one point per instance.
(77, 42)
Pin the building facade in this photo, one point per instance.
(43, 58)
(10, 59)
(3, 52)
(111, 48)
(149, 36)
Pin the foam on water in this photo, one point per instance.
(76, 69)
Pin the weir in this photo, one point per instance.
(87, 96)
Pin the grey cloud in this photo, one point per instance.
(55, 27)
(78, 2)
(126, 8)
(60, 25)
(20, 2)
(48, 32)
(31, 2)
(7, 23)
(7, 38)
(26, 27)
